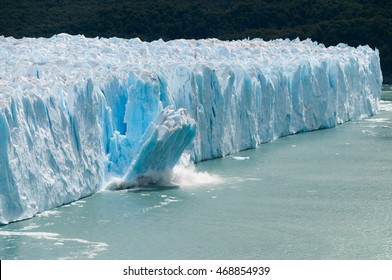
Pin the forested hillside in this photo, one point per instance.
(330, 22)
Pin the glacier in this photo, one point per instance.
(81, 114)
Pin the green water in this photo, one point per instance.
(320, 195)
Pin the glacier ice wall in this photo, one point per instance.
(75, 112)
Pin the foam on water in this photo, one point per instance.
(165, 202)
(386, 106)
(30, 227)
(49, 213)
(90, 250)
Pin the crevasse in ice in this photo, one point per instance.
(76, 112)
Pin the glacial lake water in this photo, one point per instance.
(319, 195)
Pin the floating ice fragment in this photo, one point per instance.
(240, 158)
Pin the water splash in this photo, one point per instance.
(184, 174)
(188, 176)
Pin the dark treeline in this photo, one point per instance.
(330, 22)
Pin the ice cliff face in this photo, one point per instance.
(75, 112)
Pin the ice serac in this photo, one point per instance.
(77, 112)
(161, 147)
